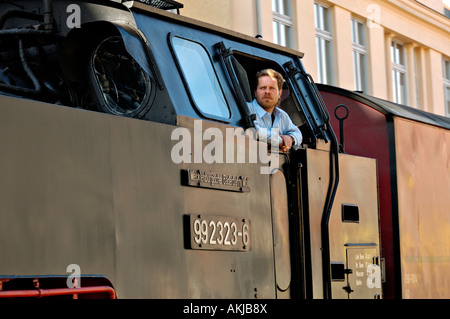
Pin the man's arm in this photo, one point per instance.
(293, 137)
(268, 135)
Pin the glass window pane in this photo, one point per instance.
(319, 59)
(283, 35)
(282, 23)
(393, 52)
(326, 24)
(324, 60)
(447, 70)
(399, 83)
(355, 71)
(328, 62)
(321, 17)
(361, 34)
(359, 55)
(276, 38)
(282, 7)
(200, 78)
(401, 55)
(323, 44)
(286, 10)
(395, 57)
(447, 95)
(397, 53)
(397, 95)
(402, 88)
(362, 73)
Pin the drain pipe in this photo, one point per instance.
(258, 19)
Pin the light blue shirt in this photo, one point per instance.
(282, 122)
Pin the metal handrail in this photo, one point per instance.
(39, 293)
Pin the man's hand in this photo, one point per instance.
(287, 143)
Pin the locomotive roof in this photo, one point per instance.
(387, 107)
(139, 6)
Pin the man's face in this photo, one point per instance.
(267, 93)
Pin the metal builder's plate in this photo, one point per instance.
(219, 233)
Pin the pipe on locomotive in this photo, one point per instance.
(325, 231)
(331, 194)
(48, 15)
(47, 18)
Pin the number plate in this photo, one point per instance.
(219, 233)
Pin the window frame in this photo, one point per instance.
(282, 23)
(359, 52)
(187, 83)
(399, 73)
(446, 80)
(324, 43)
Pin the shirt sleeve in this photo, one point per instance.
(289, 128)
(284, 126)
(267, 134)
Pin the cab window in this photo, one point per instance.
(200, 78)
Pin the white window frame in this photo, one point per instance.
(399, 72)
(282, 23)
(324, 43)
(446, 75)
(359, 53)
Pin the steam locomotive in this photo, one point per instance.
(129, 167)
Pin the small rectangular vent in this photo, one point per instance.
(350, 213)
(337, 271)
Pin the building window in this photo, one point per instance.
(323, 44)
(282, 22)
(398, 72)
(359, 55)
(447, 86)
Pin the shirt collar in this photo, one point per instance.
(261, 111)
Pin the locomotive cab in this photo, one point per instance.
(130, 134)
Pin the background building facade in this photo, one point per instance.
(398, 50)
